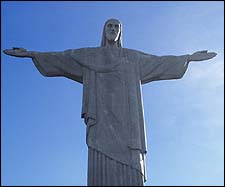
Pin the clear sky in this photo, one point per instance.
(43, 136)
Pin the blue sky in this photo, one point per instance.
(43, 137)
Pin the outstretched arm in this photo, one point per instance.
(52, 64)
(154, 67)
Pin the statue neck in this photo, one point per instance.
(111, 44)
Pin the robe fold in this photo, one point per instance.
(112, 102)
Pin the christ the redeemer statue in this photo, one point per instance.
(112, 102)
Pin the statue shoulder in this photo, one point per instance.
(82, 51)
(135, 54)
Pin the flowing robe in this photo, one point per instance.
(112, 104)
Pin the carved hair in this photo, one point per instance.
(119, 41)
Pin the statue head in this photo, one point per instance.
(112, 32)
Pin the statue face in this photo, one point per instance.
(112, 30)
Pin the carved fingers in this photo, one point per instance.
(16, 51)
(202, 55)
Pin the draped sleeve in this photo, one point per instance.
(153, 68)
(66, 63)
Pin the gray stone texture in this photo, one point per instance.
(112, 102)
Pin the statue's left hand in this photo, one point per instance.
(201, 55)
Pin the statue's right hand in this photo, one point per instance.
(18, 52)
